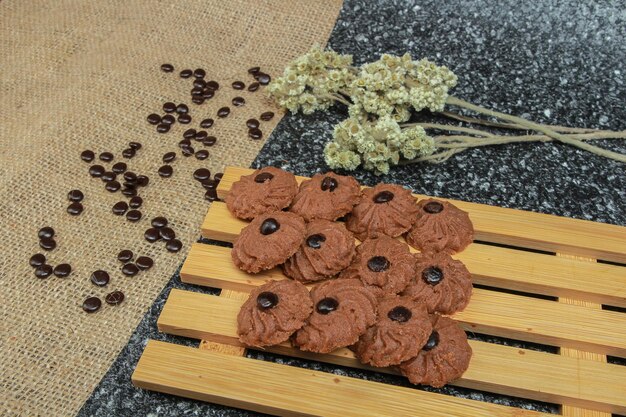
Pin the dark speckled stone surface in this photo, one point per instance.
(553, 62)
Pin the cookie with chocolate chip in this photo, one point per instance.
(400, 331)
(440, 282)
(327, 249)
(384, 265)
(273, 312)
(440, 227)
(268, 241)
(265, 190)
(385, 209)
(326, 196)
(444, 357)
(342, 310)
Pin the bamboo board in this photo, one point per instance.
(579, 378)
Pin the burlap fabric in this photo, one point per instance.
(85, 74)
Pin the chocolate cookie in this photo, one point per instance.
(444, 358)
(385, 209)
(384, 265)
(265, 190)
(440, 227)
(402, 328)
(440, 282)
(342, 310)
(268, 241)
(326, 196)
(327, 249)
(273, 312)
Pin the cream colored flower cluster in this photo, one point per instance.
(311, 81)
(375, 144)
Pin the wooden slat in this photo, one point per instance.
(568, 410)
(495, 368)
(521, 228)
(289, 391)
(228, 348)
(490, 312)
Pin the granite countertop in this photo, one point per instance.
(553, 62)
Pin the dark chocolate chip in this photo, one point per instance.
(326, 305)
(87, 155)
(433, 341)
(267, 116)
(263, 177)
(92, 304)
(119, 168)
(129, 153)
(144, 262)
(154, 119)
(135, 202)
(202, 174)
(130, 269)
(209, 141)
(269, 226)
(134, 145)
(168, 119)
(163, 128)
(119, 208)
(207, 123)
(432, 275)
(378, 264)
(218, 176)
(112, 186)
(130, 177)
(207, 94)
(62, 270)
(125, 255)
(108, 176)
(238, 85)
(106, 156)
(315, 241)
(174, 245)
(253, 87)
(168, 107)
(187, 150)
(254, 70)
(400, 314)
(167, 233)
(209, 184)
(383, 197)
(166, 171)
(142, 180)
(184, 119)
(47, 243)
(196, 92)
(266, 300)
(96, 171)
(201, 135)
(433, 207)
(130, 190)
(182, 109)
(184, 142)
(223, 112)
(159, 222)
(152, 235)
(186, 73)
(36, 260)
(252, 123)
(238, 101)
(199, 73)
(114, 298)
(263, 78)
(213, 85)
(100, 278)
(75, 208)
(45, 232)
(199, 83)
(255, 133)
(133, 216)
(43, 271)
(211, 195)
(189, 133)
(167, 67)
(202, 154)
(329, 184)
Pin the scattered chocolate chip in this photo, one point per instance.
(202, 174)
(326, 305)
(315, 241)
(267, 116)
(183, 143)
(75, 208)
(199, 83)
(184, 119)
(75, 195)
(400, 314)
(36, 260)
(202, 154)
(211, 195)
(167, 68)
(133, 216)
(223, 112)
(99, 278)
(255, 134)
(106, 156)
(209, 141)
(43, 271)
(263, 78)
(159, 222)
(187, 150)
(218, 176)
(174, 245)
(253, 87)
(182, 109)
(152, 235)
(432, 275)
(263, 177)
(209, 184)
(378, 264)
(213, 85)
(62, 270)
(207, 123)
(130, 270)
(269, 226)
(189, 133)
(130, 177)
(45, 232)
(119, 208)
(114, 298)
(135, 202)
(163, 128)
(433, 207)
(167, 233)
(92, 304)
(199, 73)
(119, 168)
(169, 107)
(96, 171)
(112, 186)
(129, 153)
(197, 99)
(166, 171)
(168, 119)
(108, 176)
(433, 341)
(238, 101)
(201, 135)
(186, 73)
(266, 300)
(196, 91)
(47, 243)
(129, 190)
(254, 70)
(134, 145)
(329, 184)
(238, 85)
(252, 123)
(87, 155)
(125, 255)
(142, 180)
(144, 262)
(383, 197)
(207, 93)
(154, 119)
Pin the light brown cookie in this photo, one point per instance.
(385, 209)
(268, 241)
(400, 331)
(327, 249)
(326, 196)
(273, 312)
(440, 282)
(440, 227)
(444, 358)
(384, 265)
(266, 190)
(342, 310)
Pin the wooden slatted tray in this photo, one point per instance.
(579, 377)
